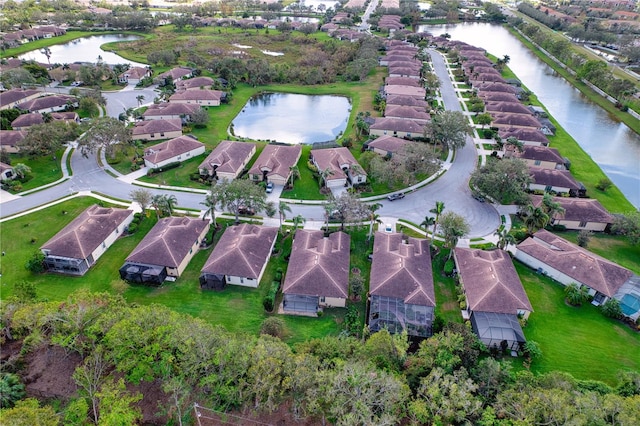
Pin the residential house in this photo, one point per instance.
(396, 56)
(10, 140)
(6, 172)
(201, 97)
(579, 213)
(240, 257)
(401, 292)
(194, 83)
(343, 167)
(527, 136)
(494, 77)
(318, 272)
(274, 163)
(404, 71)
(407, 101)
(80, 244)
(497, 97)
(134, 74)
(387, 145)
(506, 107)
(152, 130)
(407, 113)
(397, 127)
(165, 251)
(414, 92)
(167, 111)
(11, 98)
(227, 160)
(178, 149)
(52, 103)
(539, 156)
(402, 81)
(494, 295)
(569, 263)
(510, 120)
(495, 87)
(175, 74)
(557, 181)
(24, 121)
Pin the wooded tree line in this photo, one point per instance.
(449, 379)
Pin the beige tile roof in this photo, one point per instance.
(318, 266)
(228, 156)
(168, 242)
(86, 232)
(277, 160)
(490, 281)
(577, 263)
(402, 270)
(242, 251)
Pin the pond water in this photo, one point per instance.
(85, 49)
(292, 118)
(611, 144)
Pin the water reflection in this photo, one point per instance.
(611, 144)
(85, 49)
(292, 118)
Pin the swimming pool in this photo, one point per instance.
(630, 304)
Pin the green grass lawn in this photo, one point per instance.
(44, 169)
(578, 340)
(179, 176)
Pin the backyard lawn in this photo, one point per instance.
(578, 340)
(44, 169)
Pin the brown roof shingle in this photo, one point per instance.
(277, 160)
(319, 265)
(553, 177)
(578, 209)
(490, 281)
(402, 270)
(86, 232)
(157, 126)
(228, 157)
(242, 251)
(171, 148)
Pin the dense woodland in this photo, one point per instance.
(117, 348)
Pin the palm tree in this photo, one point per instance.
(283, 208)
(504, 238)
(298, 220)
(210, 203)
(140, 98)
(21, 170)
(324, 174)
(513, 141)
(576, 295)
(170, 202)
(47, 52)
(551, 207)
(426, 223)
(374, 218)
(536, 218)
(293, 175)
(157, 202)
(437, 210)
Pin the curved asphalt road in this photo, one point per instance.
(451, 187)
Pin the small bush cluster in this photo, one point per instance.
(270, 299)
(169, 166)
(135, 223)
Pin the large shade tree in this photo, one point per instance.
(106, 133)
(450, 128)
(239, 193)
(504, 180)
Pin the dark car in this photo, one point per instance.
(246, 211)
(479, 197)
(396, 196)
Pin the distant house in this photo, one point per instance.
(495, 87)
(579, 213)
(10, 140)
(539, 156)
(175, 74)
(274, 163)
(240, 257)
(495, 297)
(202, 97)
(6, 172)
(195, 83)
(527, 136)
(227, 160)
(510, 120)
(397, 127)
(152, 130)
(387, 145)
(569, 263)
(558, 181)
(177, 149)
(52, 103)
(407, 101)
(11, 98)
(80, 244)
(402, 81)
(343, 166)
(497, 96)
(165, 251)
(24, 121)
(134, 74)
(167, 111)
(401, 292)
(506, 107)
(318, 272)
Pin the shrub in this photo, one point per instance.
(576, 295)
(270, 299)
(604, 184)
(273, 326)
(35, 264)
(584, 236)
(132, 228)
(611, 308)
(448, 267)
(11, 390)
(164, 168)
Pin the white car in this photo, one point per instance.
(269, 187)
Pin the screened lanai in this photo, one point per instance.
(394, 315)
(493, 328)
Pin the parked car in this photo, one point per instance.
(479, 197)
(76, 84)
(269, 187)
(246, 211)
(396, 196)
(388, 228)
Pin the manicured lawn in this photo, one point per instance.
(578, 340)
(179, 176)
(447, 305)
(44, 169)
(307, 187)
